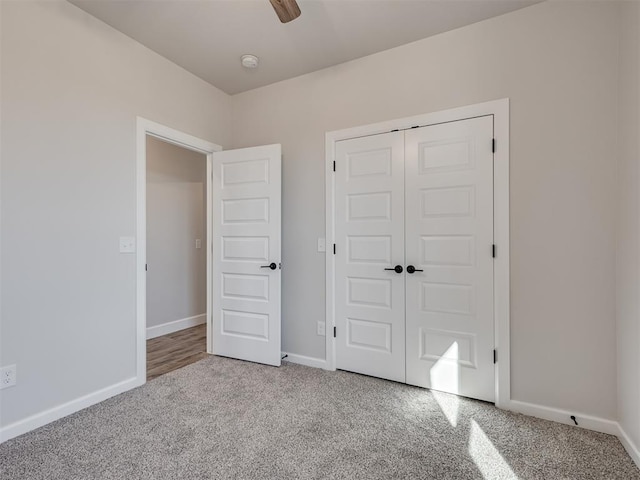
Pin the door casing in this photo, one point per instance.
(499, 109)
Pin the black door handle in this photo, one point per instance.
(411, 269)
(272, 266)
(397, 269)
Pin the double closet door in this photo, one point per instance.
(414, 257)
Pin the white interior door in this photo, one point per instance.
(449, 239)
(246, 254)
(369, 195)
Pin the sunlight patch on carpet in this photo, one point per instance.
(449, 404)
(486, 456)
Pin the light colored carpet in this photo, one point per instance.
(222, 418)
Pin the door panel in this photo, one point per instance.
(246, 237)
(370, 237)
(449, 235)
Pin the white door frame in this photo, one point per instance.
(500, 111)
(146, 127)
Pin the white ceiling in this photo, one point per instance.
(208, 37)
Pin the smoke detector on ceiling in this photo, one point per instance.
(249, 61)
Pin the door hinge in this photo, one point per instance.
(146, 267)
(493, 250)
(495, 355)
(334, 165)
(334, 332)
(493, 145)
(334, 248)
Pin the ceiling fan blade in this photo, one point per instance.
(287, 10)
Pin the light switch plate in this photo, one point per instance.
(198, 243)
(321, 329)
(322, 245)
(127, 245)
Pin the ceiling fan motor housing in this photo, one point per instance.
(287, 10)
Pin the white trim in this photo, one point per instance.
(501, 268)
(500, 111)
(40, 419)
(209, 247)
(306, 361)
(563, 416)
(629, 446)
(175, 326)
(146, 127)
(330, 258)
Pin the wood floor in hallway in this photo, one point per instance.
(176, 350)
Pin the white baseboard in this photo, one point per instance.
(630, 447)
(175, 326)
(306, 361)
(563, 416)
(40, 419)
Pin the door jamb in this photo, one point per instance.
(146, 127)
(500, 111)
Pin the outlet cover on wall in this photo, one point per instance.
(8, 377)
(321, 329)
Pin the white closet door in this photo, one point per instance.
(370, 241)
(246, 254)
(449, 238)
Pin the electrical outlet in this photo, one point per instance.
(321, 330)
(198, 243)
(8, 376)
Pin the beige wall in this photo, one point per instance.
(628, 258)
(557, 62)
(176, 217)
(71, 90)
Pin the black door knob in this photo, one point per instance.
(397, 269)
(412, 269)
(272, 266)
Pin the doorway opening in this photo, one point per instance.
(174, 237)
(176, 256)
